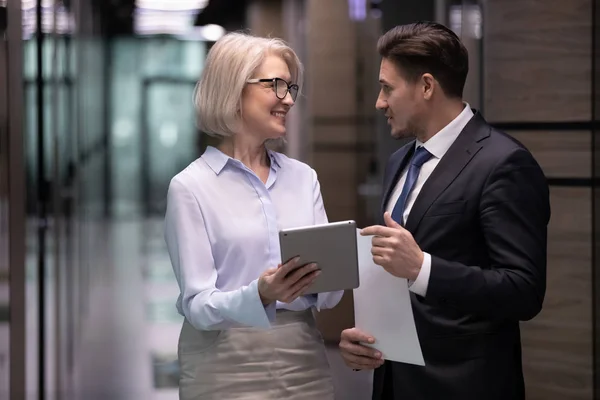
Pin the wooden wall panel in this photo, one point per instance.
(332, 97)
(562, 154)
(538, 60)
(538, 68)
(343, 134)
(337, 175)
(264, 18)
(557, 344)
(332, 59)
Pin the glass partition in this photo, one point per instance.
(153, 130)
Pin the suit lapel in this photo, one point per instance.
(467, 144)
(398, 165)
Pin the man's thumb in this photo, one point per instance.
(389, 222)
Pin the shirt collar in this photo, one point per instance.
(439, 143)
(217, 160)
(274, 156)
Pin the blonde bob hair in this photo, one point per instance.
(231, 61)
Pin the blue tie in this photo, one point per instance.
(419, 158)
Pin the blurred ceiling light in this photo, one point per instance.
(466, 21)
(212, 32)
(171, 17)
(357, 9)
(64, 21)
(151, 22)
(28, 4)
(179, 23)
(171, 5)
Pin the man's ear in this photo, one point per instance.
(428, 83)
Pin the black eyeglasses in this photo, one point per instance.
(280, 87)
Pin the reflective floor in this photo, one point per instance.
(128, 340)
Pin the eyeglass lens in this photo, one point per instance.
(281, 89)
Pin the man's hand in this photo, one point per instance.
(356, 355)
(395, 249)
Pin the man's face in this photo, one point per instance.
(400, 101)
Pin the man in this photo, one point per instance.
(465, 214)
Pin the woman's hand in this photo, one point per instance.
(286, 282)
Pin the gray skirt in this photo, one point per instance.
(287, 362)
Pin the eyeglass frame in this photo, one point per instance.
(274, 81)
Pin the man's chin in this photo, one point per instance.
(400, 134)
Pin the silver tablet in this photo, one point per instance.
(332, 246)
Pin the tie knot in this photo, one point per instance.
(420, 157)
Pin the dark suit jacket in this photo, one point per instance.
(483, 216)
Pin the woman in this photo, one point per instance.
(249, 331)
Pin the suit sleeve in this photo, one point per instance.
(514, 213)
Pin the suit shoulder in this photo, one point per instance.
(505, 151)
(505, 141)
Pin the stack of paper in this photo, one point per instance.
(382, 308)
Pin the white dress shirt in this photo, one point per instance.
(222, 231)
(438, 145)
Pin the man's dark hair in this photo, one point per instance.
(427, 47)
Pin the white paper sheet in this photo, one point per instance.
(382, 309)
